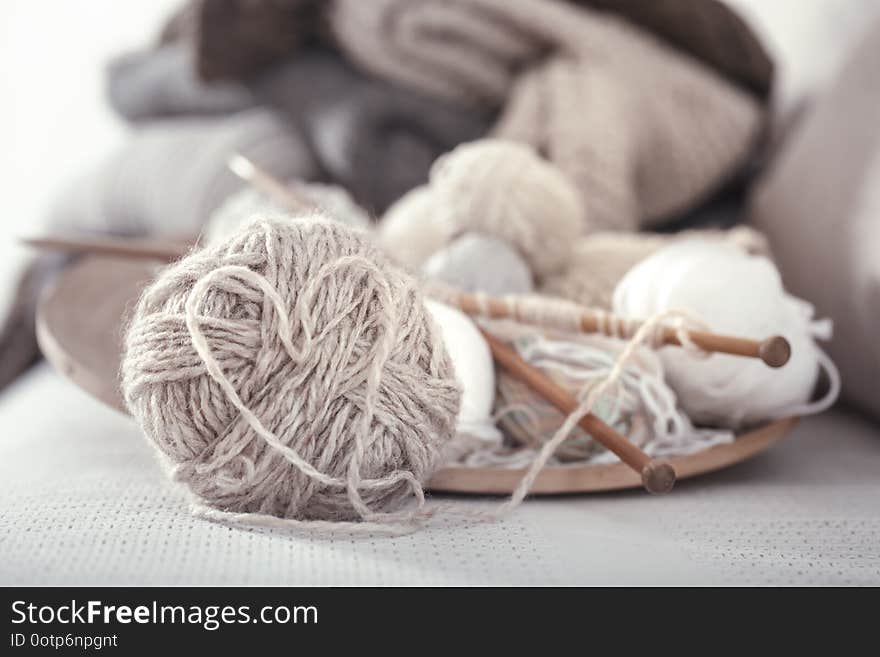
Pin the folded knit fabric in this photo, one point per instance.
(376, 139)
(709, 30)
(643, 130)
(161, 83)
(173, 174)
(234, 39)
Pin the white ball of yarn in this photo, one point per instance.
(409, 231)
(505, 189)
(250, 202)
(474, 370)
(733, 293)
(480, 263)
(293, 371)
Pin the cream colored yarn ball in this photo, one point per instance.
(409, 231)
(505, 189)
(248, 202)
(291, 370)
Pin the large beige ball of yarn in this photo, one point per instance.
(505, 189)
(294, 341)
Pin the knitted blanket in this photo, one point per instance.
(171, 175)
(643, 130)
(376, 139)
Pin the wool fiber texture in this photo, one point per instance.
(292, 371)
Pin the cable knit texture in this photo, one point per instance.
(291, 371)
(710, 30)
(643, 130)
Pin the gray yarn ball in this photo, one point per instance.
(480, 263)
(291, 370)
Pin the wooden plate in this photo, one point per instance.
(79, 328)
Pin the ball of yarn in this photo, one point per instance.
(473, 367)
(409, 231)
(480, 263)
(737, 294)
(503, 188)
(291, 370)
(249, 202)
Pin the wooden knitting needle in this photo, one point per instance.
(265, 182)
(165, 249)
(129, 247)
(774, 351)
(657, 476)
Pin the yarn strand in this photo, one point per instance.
(643, 335)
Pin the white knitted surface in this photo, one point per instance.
(82, 501)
